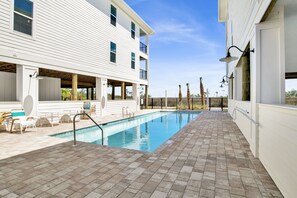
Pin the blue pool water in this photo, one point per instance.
(144, 133)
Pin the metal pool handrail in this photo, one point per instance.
(74, 130)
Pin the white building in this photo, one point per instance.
(98, 45)
(257, 81)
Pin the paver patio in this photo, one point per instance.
(208, 158)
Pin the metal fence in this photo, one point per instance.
(194, 103)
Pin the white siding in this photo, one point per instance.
(65, 106)
(7, 86)
(277, 150)
(115, 107)
(72, 36)
(8, 106)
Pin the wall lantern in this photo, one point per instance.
(230, 58)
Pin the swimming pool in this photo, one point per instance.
(144, 133)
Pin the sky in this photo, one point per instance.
(187, 45)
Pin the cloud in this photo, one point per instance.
(171, 31)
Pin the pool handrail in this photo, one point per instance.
(74, 130)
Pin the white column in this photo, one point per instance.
(136, 95)
(27, 88)
(101, 93)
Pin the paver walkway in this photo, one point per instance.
(208, 158)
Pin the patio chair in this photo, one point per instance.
(48, 118)
(68, 116)
(4, 120)
(19, 120)
(89, 109)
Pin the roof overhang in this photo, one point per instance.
(131, 13)
(223, 10)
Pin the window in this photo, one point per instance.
(132, 60)
(113, 15)
(133, 30)
(23, 16)
(113, 52)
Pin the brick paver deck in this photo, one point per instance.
(208, 158)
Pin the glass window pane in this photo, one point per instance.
(113, 57)
(24, 7)
(113, 11)
(133, 26)
(133, 56)
(132, 64)
(22, 24)
(113, 47)
(113, 20)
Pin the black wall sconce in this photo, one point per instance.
(230, 58)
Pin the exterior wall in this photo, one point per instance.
(115, 107)
(268, 126)
(49, 89)
(80, 43)
(290, 35)
(7, 86)
(65, 106)
(8, 106)
(240, 114)
(277, 140)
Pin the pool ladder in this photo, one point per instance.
(74, 130)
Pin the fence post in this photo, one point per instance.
(192, 103)
(222, 104)
(209, 104)
(152, 103)
(161, 103)
(176, 103)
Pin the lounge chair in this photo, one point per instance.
(4, 120)
(19, 120)
(89, 109)
(48, 118)
(68, 116)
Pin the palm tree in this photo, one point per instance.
(180, 97)
(188, 96)
(202, 92)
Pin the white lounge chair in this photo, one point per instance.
(19, 120)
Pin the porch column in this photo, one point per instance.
(146, 96)
(27, 88)
(88, 94)
(74, 86)
(101, 94)
(113, 92)
(245, 78)
(92, 93)
(123, 90)
(136, 95)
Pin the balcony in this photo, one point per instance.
(143, 48)
(143, 74)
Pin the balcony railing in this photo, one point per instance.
(143, 47)
(143, 74)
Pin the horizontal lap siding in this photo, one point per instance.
(75, 34)
(278, 146)
(116, 107)
(8, 106)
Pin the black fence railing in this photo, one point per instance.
(195, 103)
(143, 47)
(143, 74)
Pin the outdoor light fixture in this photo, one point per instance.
(230, 58)
(35, 75)
(225, 79)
